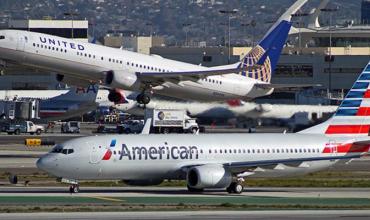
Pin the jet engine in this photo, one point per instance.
(209, 176)
(116, 96)
(149, 182)
(122, 80)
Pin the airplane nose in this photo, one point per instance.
(42, 163)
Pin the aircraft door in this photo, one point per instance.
(21, 42)
(333, 147)
(94, 155)
(236, 89)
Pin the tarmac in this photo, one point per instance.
(176, 192)
(201, 215)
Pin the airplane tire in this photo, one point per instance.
(238, 188)
(143, 98)
(74, 189)
(235, 187)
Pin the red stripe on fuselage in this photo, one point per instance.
(363, 111)
(348, 129)
(45, 114)
(347, 148)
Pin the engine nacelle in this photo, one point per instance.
(209, 176)
(149, 182)
(122, 80)
(116, 96)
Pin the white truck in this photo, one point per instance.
(171, 121)
(19, 127)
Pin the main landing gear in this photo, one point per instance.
(74, 188)
(143, 98)
(235, 187)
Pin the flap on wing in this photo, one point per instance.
(286, 86)
(161, 77)
(288, 162)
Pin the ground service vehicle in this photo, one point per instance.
(171, 121)
(130, 126)
(70, 127)
(23, 127)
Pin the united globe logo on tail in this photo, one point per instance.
(253, 69)
(262, 60)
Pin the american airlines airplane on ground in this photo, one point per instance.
(217, 160)
(120, 69)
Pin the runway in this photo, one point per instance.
(201, 215)
(281, 192)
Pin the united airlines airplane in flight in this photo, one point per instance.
(217, 160)
(116, 68)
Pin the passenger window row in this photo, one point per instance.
(258, 151)
(212, 81)
(49, 47)
(109, 59)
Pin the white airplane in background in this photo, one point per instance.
(217, 160)
(62, 104)
(119, 69)
(230, 109)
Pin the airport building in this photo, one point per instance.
(139, 44)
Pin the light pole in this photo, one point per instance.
(151, 27)
(185, 26)
(93, 25)
(244, 26)
(330, 58)
(71, 14)
(229, 13)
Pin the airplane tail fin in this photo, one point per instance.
(78, 94)
(261, 61)
(352, 117)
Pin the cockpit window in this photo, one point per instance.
(2, 37)
(59, 149)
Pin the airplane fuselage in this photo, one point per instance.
(115, 157)
(66, 56)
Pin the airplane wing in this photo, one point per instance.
(158, 78)
(286, 86)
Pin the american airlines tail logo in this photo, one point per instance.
(164, 152)
(90, 88)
